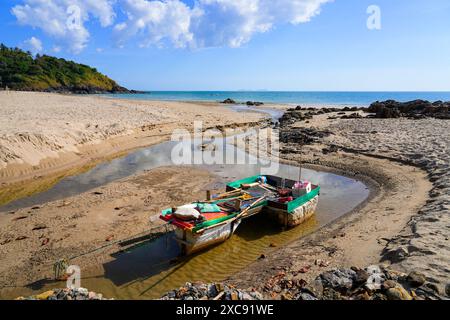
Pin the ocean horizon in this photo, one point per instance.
(319, 98)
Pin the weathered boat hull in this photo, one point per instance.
(192, 242)
(298, 216)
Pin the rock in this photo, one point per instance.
(45, 241)
(39, 226)
(330, 294)
(254, 103)
(330, 149)
(416, 279)
(213, 291)
(352, 116)
(433, 287)
(315, 288)
(362, 296)
(306, 296)
(415, 109)
(45, 295)
(447, 289)
(285, 296)
(229, 101)
(426, 293)
(398, 293)
(82, 291)
(338, 279)
(396, 255)
(302, 136)
(361, 277)
(389, 284)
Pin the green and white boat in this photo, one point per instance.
(202, 224)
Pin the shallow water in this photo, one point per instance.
(146, 271)
(289, 97)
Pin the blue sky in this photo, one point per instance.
(298, 45)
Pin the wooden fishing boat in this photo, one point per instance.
(202, 224)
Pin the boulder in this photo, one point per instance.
(398, 293)
(338, 279)
(416, 279)
(229, 101)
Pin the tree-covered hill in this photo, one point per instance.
(19, 70)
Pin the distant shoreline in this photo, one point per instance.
(287, 98)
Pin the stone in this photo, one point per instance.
(398, 293)
(338, 279)
(315, 288)
(229, 101)
(447, 289)
(389, 284)
(416, 279)
(306, 296)
(361, 277)
(362, 296)
(285, 296)
(82, 291)
(433, 287)
(45, 295)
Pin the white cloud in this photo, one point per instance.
(209, 23)
(65, 20)
(156, 21)
(33, 44)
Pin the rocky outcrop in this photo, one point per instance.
(414, 109)
(229, 101)
(254, 103)
(302, 136)
(85, 90)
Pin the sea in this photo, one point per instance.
(315, 98)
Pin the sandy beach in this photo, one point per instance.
(42, 133)
(403, 223)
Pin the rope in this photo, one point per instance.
(60, 267)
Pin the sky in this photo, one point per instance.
(279, 45)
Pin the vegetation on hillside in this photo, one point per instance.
(19, 70)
